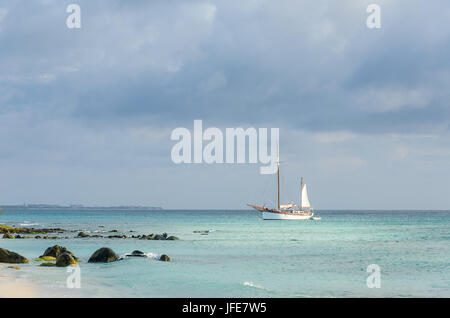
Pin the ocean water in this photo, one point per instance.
(244, 256)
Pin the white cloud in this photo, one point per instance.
(391, 99)
(215, 81)
(3, 14)
(339, 164)
(330, 137)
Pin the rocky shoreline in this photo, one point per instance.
(11, 232)
(59, 256)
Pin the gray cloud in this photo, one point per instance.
(106, 96)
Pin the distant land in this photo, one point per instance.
(77, 207)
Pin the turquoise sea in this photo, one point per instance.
(244, 256)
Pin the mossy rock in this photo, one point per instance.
(45, 259)
(65, 260)
(14, 267)
(103, 255)
(56, 251)
(165, 258)
(48, 264)
(11, 257)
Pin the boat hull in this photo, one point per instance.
(285, 216)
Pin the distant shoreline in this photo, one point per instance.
(44, 207)
(77, 207)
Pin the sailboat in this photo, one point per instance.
(289, 211)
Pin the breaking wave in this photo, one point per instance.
(251, 284)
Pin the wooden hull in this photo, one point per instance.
(286, 216)
(267, 214)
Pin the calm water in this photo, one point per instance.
(245, 256)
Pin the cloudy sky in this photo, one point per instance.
(86, 114)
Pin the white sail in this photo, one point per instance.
(305, 200)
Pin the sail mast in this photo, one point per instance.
(301, 192)
(278, 172)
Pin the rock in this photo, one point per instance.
(201, 232)
(8, 229)
(159, 237)
(136, 254)
(18, 236)
(11, 257)
(57, 250)
(14, 267)
(65, 259)
(103, 255)
(7, 236)
(165, 258)
(117, 236)
(37, 237)
(113, 231)
(48, 264)
(82, 234)
(45, 259)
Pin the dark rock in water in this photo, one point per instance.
(48, 264)
(117, 236)
(37, 237)
(82, 234)
(7, 236)
(11, 257)
(56, 251)
(18, 236)
(16, 230)
(113, 231)
(158, 237)
(65, 259)
(202, 232)
(165, 258)
(103, 255)
(136, 254)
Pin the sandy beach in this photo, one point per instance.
(11, 287)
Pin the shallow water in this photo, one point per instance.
(244, 256)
